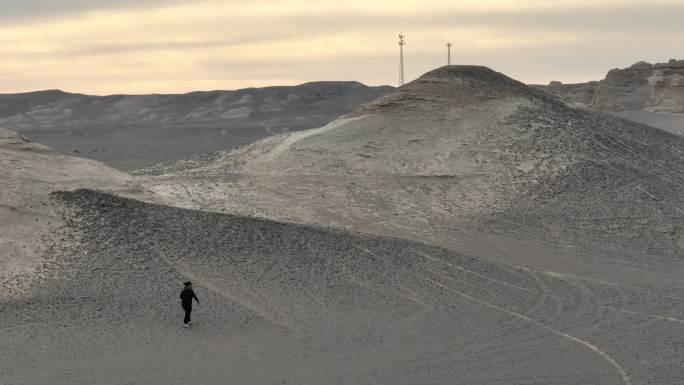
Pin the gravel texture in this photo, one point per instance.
(284, 303)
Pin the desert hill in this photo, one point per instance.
(506, 237)
(460, 153)
(131, 131)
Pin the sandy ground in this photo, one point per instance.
(670, 122)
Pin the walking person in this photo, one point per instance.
(186, 297)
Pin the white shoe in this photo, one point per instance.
(186, 325)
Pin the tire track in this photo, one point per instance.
(626, 380)
(510, 285)
(619, 369)
(613, 308)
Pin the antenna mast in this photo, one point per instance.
(402, 43)
(449, 53)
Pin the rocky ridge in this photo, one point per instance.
(640, 87)
(130, 131)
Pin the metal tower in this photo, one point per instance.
(449, 53)
(402, 43)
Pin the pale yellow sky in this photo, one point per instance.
(105, 46)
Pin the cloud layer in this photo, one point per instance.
(108, 46)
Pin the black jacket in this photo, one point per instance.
(186, 297)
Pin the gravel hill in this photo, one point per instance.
(287, 303)
(460, 153)
(29, 172)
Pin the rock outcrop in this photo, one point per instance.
(667, 82)
(641, 87)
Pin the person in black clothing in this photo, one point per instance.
(186, 297)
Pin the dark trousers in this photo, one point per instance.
(188, 310)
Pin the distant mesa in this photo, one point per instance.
(121, 127)
(640, 87)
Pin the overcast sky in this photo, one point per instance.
(145, 46)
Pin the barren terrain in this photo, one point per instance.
(465, 229)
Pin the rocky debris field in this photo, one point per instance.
(286, 303)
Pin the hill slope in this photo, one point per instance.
(29, 172)
(292, 303)
(460, 153)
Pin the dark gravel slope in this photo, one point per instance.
(285, 304)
